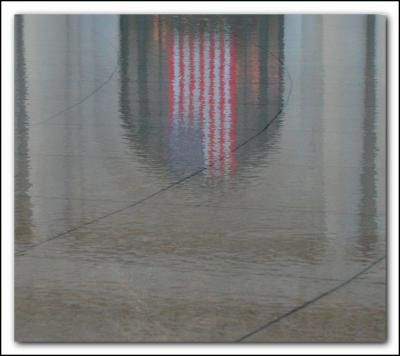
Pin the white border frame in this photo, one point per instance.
(388, 8)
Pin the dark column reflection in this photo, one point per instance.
(142, 42)
(368, 231)
(139, 70)
(23, 204)
(70, 63)
(192, 73)
(261, 80)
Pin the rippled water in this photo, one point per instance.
(193, 178)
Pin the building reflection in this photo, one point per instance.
(193, 88)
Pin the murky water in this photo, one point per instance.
(195, 178)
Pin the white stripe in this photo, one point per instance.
(217, 122)
(206, 126)
(227, 99)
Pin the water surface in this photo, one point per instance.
(192, 178)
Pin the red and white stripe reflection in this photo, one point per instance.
(202, 92)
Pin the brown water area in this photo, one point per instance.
(200, 178)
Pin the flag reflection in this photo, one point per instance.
(202, 92)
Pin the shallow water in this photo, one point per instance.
(194, 178)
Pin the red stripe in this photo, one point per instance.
(191, 78)
(171, 78)
(232, 78)
(221, 100)
(211, 99)
(181, 69)
(201, 84)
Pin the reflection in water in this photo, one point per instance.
(194, 60)
(298, 208)
(202, 92)
(350, 130)
(304, 113)
(368, 201)
(23, 205)
(48, 80)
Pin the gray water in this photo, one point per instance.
(199, 178)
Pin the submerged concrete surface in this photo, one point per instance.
(200, 179)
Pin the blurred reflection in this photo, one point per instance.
(262, 85)
(194, 60)
(202, 91)
(368, 201)
(23, 204)
(301, 133)
(351, 137)
(142, 71)
(58, 61)
(301, 203)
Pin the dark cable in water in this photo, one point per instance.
(306, 304)
(86, 97)
(193, 174)
(263, 327)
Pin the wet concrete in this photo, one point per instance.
(200, 179)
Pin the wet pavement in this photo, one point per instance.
(200, 178)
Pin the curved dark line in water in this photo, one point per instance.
(113, 212)
(81, 101)
(88, 96)
(311, 301)
(193, 174)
